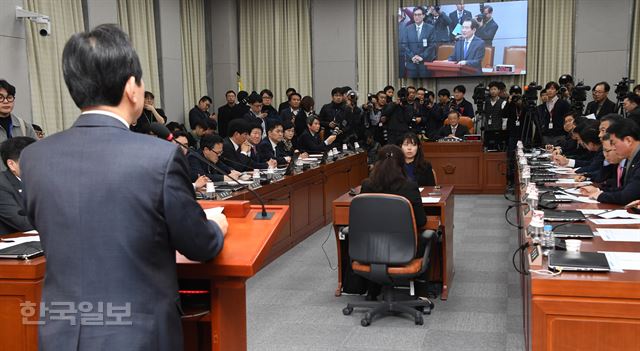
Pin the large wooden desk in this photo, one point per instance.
(467, 166)
(309, 195)
(444, 212)
(583, 311)
(246, 246)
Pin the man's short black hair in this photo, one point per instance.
(174, 126)
(590, 135)
(633, 98)
(552, 84)
(37, 128)
(230, 92)
(625, 128)
(253, 126)
(336, 91)
(346, 89)
(148, 94)
(202, 124)
(179, 133)
(205, 98)
(209, 141)
(488, 8)
(97, 65)
(11, 149)
(238, 125)
(474, 23)
(273, 125)
(605, 85)
(289, 91)
(312, 118)
(423, 89)
(429, 93)
(11, 90)
(294, 94)
(388, 87)
(612, 118)
(268, 92)
(444, 92)
(495, 84)
(287, 125)
(253, 98)
(460, 88)
(419, 8)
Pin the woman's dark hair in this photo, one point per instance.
(388, 173)
(306, 103)
(419, 162)
(96, 66)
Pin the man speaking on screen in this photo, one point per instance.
(418, 45)
(469, 49)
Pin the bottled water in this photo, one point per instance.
(548, 240)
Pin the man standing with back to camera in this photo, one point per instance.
(110, 244)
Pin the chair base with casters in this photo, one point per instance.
(389, 304)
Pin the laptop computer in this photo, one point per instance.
(22, 251)
(564, 216)
(578, 261)
(573, 230)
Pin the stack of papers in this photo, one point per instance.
(620, 261)
(430, 199)
(9, 242)
(583, 199)
(614, 221)
(213, 211)
(616, 234)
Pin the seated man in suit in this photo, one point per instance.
(255, 138)
(236, 149)
(272, 147)
(418, 44)
(453, 129)
(609, 178)
(310, 141)
(12, 216)
(625, 139)
(210, 148)
(469, 49)
(601, 105)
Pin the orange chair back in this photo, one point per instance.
(515, 55)
(487, 61)
(444, 51)
(465, 121)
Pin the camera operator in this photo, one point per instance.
(631, 105)
(514, 111)
(488, 26)
(494, 108)
(566, 86)
(460, 104)
(373, 115)
(334, 115)
(354, 130)
(441, 22)
(601, 105)
(551, 115)
(398, 115)
(415, 125)
(432, 118)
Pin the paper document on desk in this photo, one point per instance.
(620, 261)
(590, 211)
(9, 242)
(563, 171)
(591, 116)
(614, 221)
(574, 191)
(430, 200)
(213, 211)
(583, 199)
(421, 189)
(619, 214)
(617, 234)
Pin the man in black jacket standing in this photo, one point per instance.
(551, 114)
(488, 26)
(601, 105)
(12, 216)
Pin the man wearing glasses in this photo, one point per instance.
(601, 105)
(418, 45)
(10, 124)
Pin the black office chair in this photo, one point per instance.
(382, 247)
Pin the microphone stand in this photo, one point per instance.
(263, 215)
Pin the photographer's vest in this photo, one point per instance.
(494, 114)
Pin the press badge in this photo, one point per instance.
(517, 123)
(424, 42)
(504, 123)
(550, 124)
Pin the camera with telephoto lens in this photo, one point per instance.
(370, 97)
(623, 87)
(531, 93)
(481, 17)
(579, 92)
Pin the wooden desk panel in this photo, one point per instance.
(466, 166)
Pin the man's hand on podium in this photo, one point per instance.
(221, 220)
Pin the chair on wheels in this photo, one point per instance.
(382, 247)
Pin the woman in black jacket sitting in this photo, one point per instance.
(389, 177)
(417, 168)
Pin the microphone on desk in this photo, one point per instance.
(163, 132)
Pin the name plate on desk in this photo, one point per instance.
(472, 137)
(535, 257)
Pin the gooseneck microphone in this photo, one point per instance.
(163, 132)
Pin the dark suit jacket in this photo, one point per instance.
(12, 216)
(409, 190)
(487, 32)
(226, 114)
(412, 45)
(461, 131)
(560, 109)
(198, 115)
(112, 207)
(265, 151)
(234, 158)
(453, 16)
(608, 106)
(311, 143)
(475, 53)
(441, 27)
(630, 190)
(146, 118)
(635, 116)
(199, 168)
(423, 177)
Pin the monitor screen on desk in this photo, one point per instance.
(477, 39)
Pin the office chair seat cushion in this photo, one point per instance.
(413, 267)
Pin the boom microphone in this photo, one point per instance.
(161, 131)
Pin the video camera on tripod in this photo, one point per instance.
(530, 95)
(623, 87)
(578, 97)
